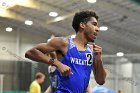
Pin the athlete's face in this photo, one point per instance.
(91, 29)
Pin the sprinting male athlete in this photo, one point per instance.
(75, 58)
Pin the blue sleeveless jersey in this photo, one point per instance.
(80, 63)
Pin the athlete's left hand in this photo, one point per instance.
(97, 52)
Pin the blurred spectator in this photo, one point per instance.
(35, 87)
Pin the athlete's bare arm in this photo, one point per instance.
(98, 69)
(38, 53)
(89, 89)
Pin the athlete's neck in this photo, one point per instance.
(80, 40)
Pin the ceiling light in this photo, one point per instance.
(28, 22)
(9, 29)
(103, 28)
(120, 54)
(59, 18)
(91, 1)
(53, 14)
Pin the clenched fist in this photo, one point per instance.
(64, 69)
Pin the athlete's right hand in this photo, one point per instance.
(64, 69)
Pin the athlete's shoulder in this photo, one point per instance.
(59, 41)
(63, 39)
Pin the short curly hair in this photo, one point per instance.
(83, 16)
